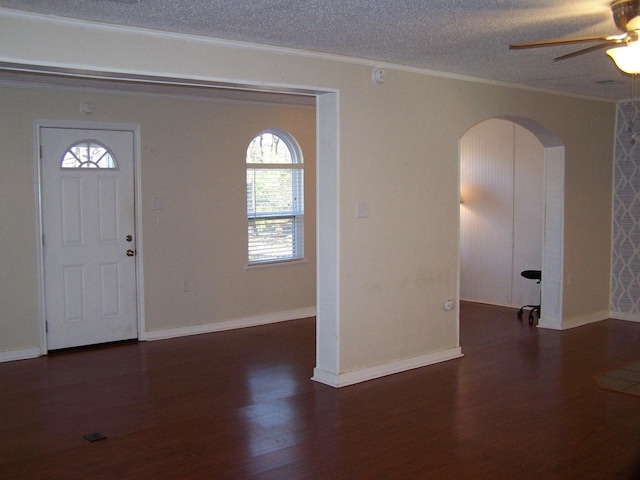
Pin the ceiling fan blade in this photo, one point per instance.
(586, 50)
(560, 41)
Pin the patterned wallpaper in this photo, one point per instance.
(625, 282)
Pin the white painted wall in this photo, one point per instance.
(501, 219)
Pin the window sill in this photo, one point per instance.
(285, 263)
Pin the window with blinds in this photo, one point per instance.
(275, 198)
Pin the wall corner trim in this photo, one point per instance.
(370, 373)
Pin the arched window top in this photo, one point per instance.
(273, 147)
(88, 154)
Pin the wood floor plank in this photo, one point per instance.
(521, 403)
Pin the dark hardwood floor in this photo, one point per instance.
(521, 403)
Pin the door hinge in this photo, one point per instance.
(40, 152)
(46, 326)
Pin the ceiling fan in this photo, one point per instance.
(626, 15)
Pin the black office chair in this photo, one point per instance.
(531, 275)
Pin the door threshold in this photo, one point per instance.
(96, 346)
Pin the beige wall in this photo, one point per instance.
(19, 324)
(381, 280)
(588, 198)
(192, 156)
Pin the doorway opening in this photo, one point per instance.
(327, 145)
(512, 185)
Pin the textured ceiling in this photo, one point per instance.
(468, 37)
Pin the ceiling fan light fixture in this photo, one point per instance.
(625, 14)
(627, 58)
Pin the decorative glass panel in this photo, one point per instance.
(88, 154)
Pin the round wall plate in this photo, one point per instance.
(87, 108)
(379, 75)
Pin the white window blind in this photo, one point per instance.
(275, 199)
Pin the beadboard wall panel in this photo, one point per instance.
(528, 218)
(501, 177)
(486, 233)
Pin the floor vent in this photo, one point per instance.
(94, 437)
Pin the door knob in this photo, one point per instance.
(130, 253)
(129, 238)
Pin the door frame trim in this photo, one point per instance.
(137, 184)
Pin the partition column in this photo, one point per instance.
(327, 367)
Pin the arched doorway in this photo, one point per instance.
(512, 216)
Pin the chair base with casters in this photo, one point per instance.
(531, 275)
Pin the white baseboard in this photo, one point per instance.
(351, 378)
(549, 324)
(630, 317)
(20, 354)
(580, 320)
(229, 324)
(485, 302)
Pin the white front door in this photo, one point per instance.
(89, 236)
